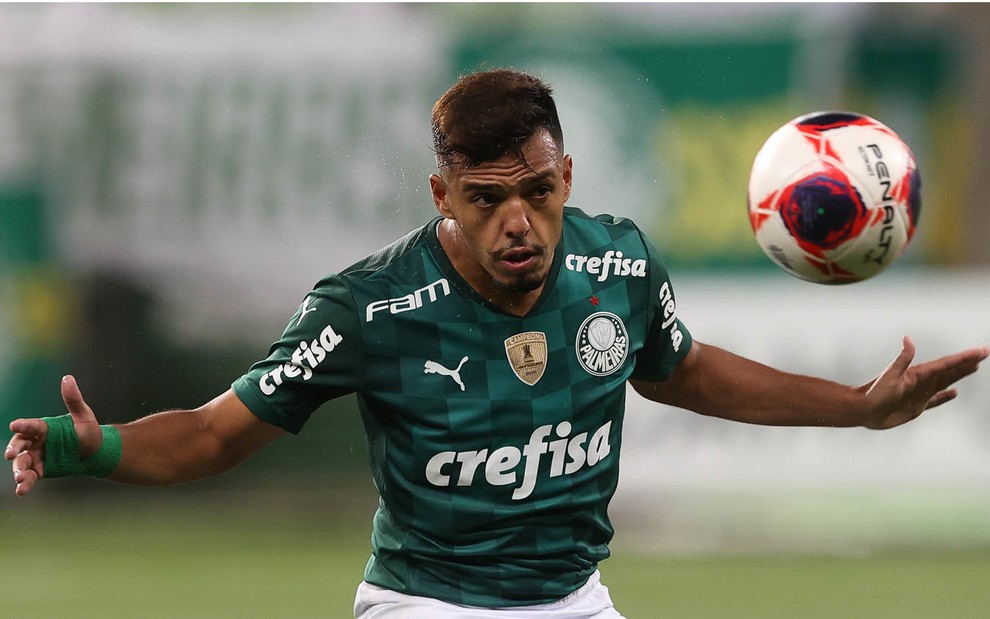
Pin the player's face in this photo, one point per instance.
(504, 218)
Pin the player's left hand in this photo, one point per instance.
(26, 449)
(903, 391)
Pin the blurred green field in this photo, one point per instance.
(162, 559)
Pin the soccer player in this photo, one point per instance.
(490, 352)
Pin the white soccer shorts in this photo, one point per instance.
(591, 601)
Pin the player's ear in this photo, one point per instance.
(567, 175)
(438, 188)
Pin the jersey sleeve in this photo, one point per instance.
(667, 339)
(318, 358)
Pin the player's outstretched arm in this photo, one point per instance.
(715, 382)
(164, 448)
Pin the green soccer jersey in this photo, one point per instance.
(493, 439)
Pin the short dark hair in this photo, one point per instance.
(490, 113)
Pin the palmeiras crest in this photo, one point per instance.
(527, 354)
(602, 344)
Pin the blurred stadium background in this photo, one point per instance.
(174, 178)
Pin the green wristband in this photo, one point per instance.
(62, 450)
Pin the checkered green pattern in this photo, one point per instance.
(469, 513)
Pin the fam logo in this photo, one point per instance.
(602, 344)
(416, 299)
(612, 263)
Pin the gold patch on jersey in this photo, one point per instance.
(527, 353)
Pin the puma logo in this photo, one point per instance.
(432, 367)
(305, 310)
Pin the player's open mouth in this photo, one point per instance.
(518, 260)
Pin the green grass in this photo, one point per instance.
(900, 585)
(155, 559)
(175, 563)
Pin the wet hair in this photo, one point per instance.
(490, 113)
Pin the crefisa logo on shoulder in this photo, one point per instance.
(602, 343)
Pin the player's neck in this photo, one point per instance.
(468, 267)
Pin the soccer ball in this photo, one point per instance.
(834, 197)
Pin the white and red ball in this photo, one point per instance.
(834, 197)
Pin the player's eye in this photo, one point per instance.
(542, 191)
(484, 200)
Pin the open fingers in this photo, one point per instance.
(967, 358)
(27, 433)
(34, 428)
(74, 402)
(941, 398)
(905, 357)
(942, 375)
(19, 443)
(23, 463)
(26, 474)
(25, 482)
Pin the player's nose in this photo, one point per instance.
(516, 217)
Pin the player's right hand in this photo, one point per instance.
(26, 449)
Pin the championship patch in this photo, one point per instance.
(527, 354)
(602, 344)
